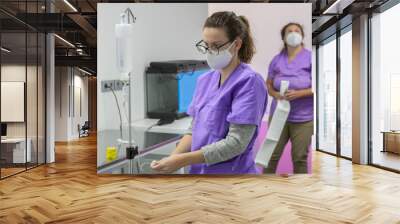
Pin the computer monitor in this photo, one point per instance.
(3, 130)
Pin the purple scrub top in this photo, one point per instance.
(298, 73)
(241, 99)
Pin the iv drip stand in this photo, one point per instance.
(130, 120)
(131, 151)
(130, 109)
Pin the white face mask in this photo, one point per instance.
(294, 39)
(220, 60)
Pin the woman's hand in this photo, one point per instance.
(168, 164)
(272, 92)
(176, 161)
(294, 94)
(277, 95)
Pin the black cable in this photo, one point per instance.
(119, 110)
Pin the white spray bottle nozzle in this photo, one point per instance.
(284, 87)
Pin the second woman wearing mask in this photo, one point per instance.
(293, 64)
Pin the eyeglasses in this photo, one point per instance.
(203, 48)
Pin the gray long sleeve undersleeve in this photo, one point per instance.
(235, 143)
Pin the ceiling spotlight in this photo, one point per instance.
(64, 40)
(70, 5)
(337, 6)
(5, 50)
(84, 71)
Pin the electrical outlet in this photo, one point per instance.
(106, 85)
(118, 85)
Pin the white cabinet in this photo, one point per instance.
(19, 155)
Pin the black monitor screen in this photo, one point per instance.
(3, 129)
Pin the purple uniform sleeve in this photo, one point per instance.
(191, 110)
(272, 68)
(249, 101)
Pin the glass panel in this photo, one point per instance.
(385, 86)
(41, 98)
(13, 87)
(32, 87)
(327, 97)
(23, 86)
(31, 100)
(346, 94)
(151, 146)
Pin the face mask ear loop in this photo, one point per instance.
(230, 46)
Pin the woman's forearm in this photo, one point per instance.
(184, 145)
(270, 87)
(235, 143)
(307, 92)
(190, 158)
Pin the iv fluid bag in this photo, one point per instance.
(124, 38)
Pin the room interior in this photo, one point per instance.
(48, 171)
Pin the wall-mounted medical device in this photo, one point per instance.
(170, 87)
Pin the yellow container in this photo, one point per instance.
(111, 154)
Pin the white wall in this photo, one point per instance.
(66, 121)
(266, 21)
(80, 83)
(162, 32)
(61, 103)
(14, 72)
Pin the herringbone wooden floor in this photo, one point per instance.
(69, 191)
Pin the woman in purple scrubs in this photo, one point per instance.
(293, 64)
(227, 107)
